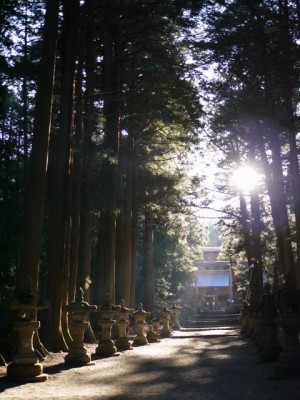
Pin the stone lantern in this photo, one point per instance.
(122, 342)
(25, 366)
(175, 316)
(152, 336)
(155, 323)
(288, 302)
(244, 318)
(78, 322)
(140, 316)
(268, 345)
(166, 316)
(106, 346)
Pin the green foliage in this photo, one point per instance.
(177, 243)
(11, 192)
(160, 102)
(213, 234)
(253, 49)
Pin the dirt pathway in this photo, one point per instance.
(190, 365)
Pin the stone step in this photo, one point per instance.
(211, 319)
(213, 316)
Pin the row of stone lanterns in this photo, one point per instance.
(25, 365)
(276, 313)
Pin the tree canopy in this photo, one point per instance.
(100, 110)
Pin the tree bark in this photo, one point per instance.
(295, 177)
(256, 273)
(134, 227)
(60, 215)
(106, 247)
(149, 263)
(35, 187)
(124, 272)
(25, 95)
(87, 192)
(247, 241)
(255, 226)
(274, 178)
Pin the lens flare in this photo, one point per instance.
(245, 178)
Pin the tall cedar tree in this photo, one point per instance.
(59, 224)
(106, 248)
(88, 154)
(35, 189)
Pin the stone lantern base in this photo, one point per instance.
(289, 364)
(166, 331)
(140, 339)
(79, 357)
(122, 341)
(152, 336)
(268, 346)
(289, 359)
(26, 373)
(106, 348)
(25, 366)
(123, 344)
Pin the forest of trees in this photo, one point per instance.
(102, 103)
(99, 112)
(253, 119)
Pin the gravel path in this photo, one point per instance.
(197, 365)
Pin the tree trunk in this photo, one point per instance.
(105, 260)
(279, 197)
(247, 240)
(295, 177)
(25, 95)
(256, 273)
(60, 216)
(106, 247)
(274, 178)
(35, 188)
(120, 240)
(255, 226)
(76, 174)
(86, 214)
(134, 227)
(123, 277)
(148, 264)
(76, 187)
(245, 226)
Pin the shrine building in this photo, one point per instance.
(213, 281)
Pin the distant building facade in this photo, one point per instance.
(213, 282)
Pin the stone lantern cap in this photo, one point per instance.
(107, 310)
(140, 313)
(176, 307)
(125, 309)
(79, 308)
(124, 312)
(26, 304)
(155, 320)
(165, 311)
(17, 302)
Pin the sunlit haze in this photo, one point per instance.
(245, 178)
